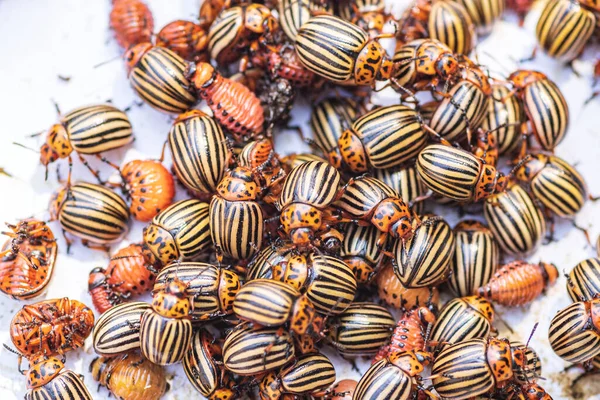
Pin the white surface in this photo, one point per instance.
(42, 39)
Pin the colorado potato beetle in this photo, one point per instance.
(236, 218)
(179, 233)
(132, 22)
(410, 333)
(406, 182)
(130, 376)
(450, 23)
(383, 138)
(394, 377)
(249, 351)
(516, 222)
(184, 38)
(91, 212)
(89, 131)
(271, 303)
(234, 105)
(259, 156)
(462, 319)
(51, 327)
(518, 283)
(424, 258)
(503, 117)
(212, 290)
(150, 187)
(341, 390)
(204, 369)
(583, 281)
(306, 375)
(360, 251)
(543, 102)
(27, 259)
(361, 329)
(483, 13)
(555, 183)
(165, 329)
(294, 13)
(370, 15)
(574, 332)
(118, 329)
(394, 294)
(158, 76)
(342, 52)
(475, 259)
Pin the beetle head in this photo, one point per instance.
(446, 65)
(42, 370)
(134, 54)
(203, 75)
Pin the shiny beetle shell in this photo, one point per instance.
(475, 259)
(504, 107)
(583, 282)
(117, 331)
(574, 332)
(383, 138)
(299, 185)
(180, 232)
(545, 106)
(184, 38)
(250, 351)
(127, 273)
(28, 259)
(518, 283)
(261, 266)
(457, 174)
(294, 13)
(130, 376)
(51, 327)
(483, 13)
(361, 329)
(90, 212)
(555, 183)
(463, 319)
(564, 28)
(394, 294)
(424, 259)
(211, 289)
(150, 187)
(158, 76)
(359, 250)
(132, 22)
(67, 385)
(406, 182)
(450, 23)
(516, 222)
(199, 151)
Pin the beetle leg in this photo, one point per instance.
(69, 241)
(100, 247)
(88, 166)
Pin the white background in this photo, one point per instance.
(40, 40)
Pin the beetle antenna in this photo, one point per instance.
(25, 147)
(519, 165)
(107, 61)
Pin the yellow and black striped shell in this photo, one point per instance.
(564, 28)
(294, 13)
(65, 386)
(450, 23)
(406, 182)
(91, 212)
(361, 330)
(583, 282)
(385, 380)
(332, 285)
(475, 259)
(250, 351)
(199, 151)
(210, 288)
(117, 330)
(164, 340)
(424, 259)
(360, 251)
(261, 266)
(315, 183)
(483, 13)
(516, 222)
(504, 107)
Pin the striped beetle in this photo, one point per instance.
(130, 376)
(342, 52)
(165, 329)
(248, 350)
(88, 131)
(424, 259)
(462, 319)
(394, 377)
(503, 117)
(406, 182)
(360, 251)
(91, 212)
(179, 233)
(555, 183)
(516, 222)
(307, 374)
(574, 332)
(294, 13)
(204, 369)
(117, 330)
(545, 107)
(475, 259)
(27, 259)
(370, 15)
(361, 329)
(483, 13)
(450, 23)
(383, 138)
(393, 293)
(158, 76)
(583, 282)
(211, 289)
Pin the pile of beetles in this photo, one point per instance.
(270, 259)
